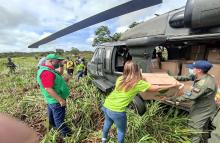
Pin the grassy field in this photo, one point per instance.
(20, 98)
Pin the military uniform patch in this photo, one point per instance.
(197, 90)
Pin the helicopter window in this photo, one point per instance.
(95, 56)
(100, 55)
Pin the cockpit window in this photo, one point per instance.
(95, 56)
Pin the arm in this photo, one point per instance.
(60, 70)
(158, 88)
(197, 92)
(183, 78)
(15, 131)
(54, 95)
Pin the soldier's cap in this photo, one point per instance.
(54, 56)
(201, 64)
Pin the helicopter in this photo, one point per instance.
(189, 33)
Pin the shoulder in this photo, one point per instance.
(119, 79)
(142, 86)
(207, 82)
(143, 82)
(211, 80)
(47, 73)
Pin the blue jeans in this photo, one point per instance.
(56, 115)
(119, 119)
(79, 74)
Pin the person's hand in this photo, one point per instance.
(62, 102)
(170, 73)
(15, 131)
(175, 84)
(217, 101)
(180, 99)
(172, 98)
(187, 93)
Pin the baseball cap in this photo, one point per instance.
(201, 64)
(54, 56)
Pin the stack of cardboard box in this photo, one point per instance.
(172, 66)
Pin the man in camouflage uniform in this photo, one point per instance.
(202, 95)
(11, 65)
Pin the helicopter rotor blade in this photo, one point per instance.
(122, 9)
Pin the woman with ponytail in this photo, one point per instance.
(126, 88)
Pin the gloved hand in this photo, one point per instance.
(180, 98)
(173, 98)
(170, 73)
(187, 93)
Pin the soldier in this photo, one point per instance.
(11, 65)
(202, 95)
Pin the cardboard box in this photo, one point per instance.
(172, 66)
(214, 55)
(159, 79)
(158, 71)
(197, 52)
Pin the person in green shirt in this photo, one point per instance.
(80, 69)
(126, 88)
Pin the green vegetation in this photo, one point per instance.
(21, 98)
(103, 35)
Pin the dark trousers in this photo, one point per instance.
(70, 71)
(79, 74)
(56, 115)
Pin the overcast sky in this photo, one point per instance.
(24, 22)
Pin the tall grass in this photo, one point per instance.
(20, 99)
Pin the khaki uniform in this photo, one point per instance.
(204, 106)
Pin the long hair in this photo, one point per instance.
(131, 75)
